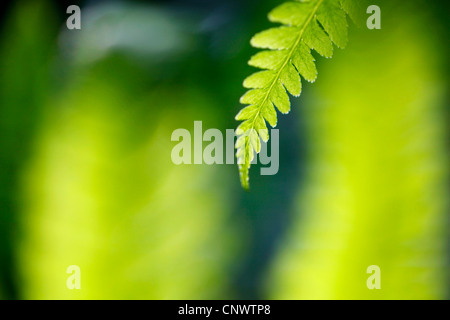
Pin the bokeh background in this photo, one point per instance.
(86, 177)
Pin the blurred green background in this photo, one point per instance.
(86, 176)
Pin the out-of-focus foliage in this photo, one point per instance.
(106, 197)
(376, 190)
(109, 201)
(25, 55)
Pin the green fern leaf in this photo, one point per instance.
(306, 25)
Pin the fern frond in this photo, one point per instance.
(306, 26)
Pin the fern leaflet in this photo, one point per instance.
(306, 25)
